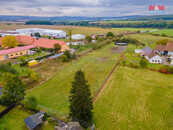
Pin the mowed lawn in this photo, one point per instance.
(168, 32)
(148, 39)
(14, 120)
(53, 95)
(135, 99)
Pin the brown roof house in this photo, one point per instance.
(151, 56)
(47, 43)
(160, 49)
(168, 49)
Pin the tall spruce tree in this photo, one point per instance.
(81, 103)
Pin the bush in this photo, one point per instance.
(143, 63)
(67, 53)
(30, 102)
(74, 56)
(7, 68)
(32, 75)
(64, 58)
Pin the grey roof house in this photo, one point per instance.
(147, 50)
(34, 121)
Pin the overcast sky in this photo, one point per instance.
(93, 8)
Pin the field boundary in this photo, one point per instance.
(107, 79)
(8, 109)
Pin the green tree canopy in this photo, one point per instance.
(31, 102)
(81, 103)
(9, 41)
(143, 63)
(13, 88)
(67, 53)
(110, 34)
(57, 47)
(88, 38)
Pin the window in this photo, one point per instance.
(21, 53)
(16, 53)
(158, 60)
(152, 60)
(11, 54)
(27, 52)
(155, 60)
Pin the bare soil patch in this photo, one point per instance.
(116, 50)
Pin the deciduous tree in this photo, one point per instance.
(9, 41)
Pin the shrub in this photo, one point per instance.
(67, 53)
(30, 102)
(64, 58)
(143, 63)
(74, 56)
(32, 75)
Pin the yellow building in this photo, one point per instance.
(15, 52)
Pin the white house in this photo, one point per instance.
(78, 36)
(172, 62)
(154, 58)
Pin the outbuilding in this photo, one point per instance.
(78, 36)
(34, 121)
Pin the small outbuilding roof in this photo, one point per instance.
(33, 121)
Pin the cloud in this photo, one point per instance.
(80, 7)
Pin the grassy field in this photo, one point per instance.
(113, 21)
(14, 120)
(75, 29)
(168, 32)
(149, 40)
(53, 95)
(135, 99)
(2, 108)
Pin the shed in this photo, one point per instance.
(33, 62)
(138, 50)
(35, 120)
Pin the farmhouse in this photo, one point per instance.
(15, 52)
(150, 55)
(138, 50)
(160, 49)
(78, 36)
(34, 121)
(154, 58)
(168, 49)
(164, 49)
(47, 43)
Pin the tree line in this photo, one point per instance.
(149, 24)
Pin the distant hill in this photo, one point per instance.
(9, 18)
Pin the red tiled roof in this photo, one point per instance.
(24, 39)
(16, 49)
(47, 43)
(151, 54)
(160, 47)
(169, 47)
